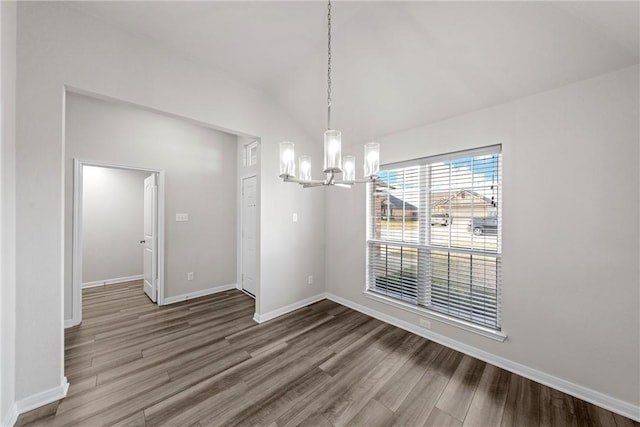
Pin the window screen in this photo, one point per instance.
(434, 234)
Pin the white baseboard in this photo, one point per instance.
(197, 294)
(260, 318)
(11, 418)
(68, 323)
(112, 281)
(43, 398)
(592, 396)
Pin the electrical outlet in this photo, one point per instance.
(425, 323)
(190, 275)
(310, 280)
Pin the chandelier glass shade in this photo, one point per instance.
(334, 163)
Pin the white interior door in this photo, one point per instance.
(150, 237)
(249, 231)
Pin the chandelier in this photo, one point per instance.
(334, 163)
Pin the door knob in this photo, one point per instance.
(142, 241)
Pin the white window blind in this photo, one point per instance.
(434, 234)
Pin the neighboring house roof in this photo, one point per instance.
(398, 203)
(444, 198)
(459, 198)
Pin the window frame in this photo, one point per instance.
(248, 157)
(425, 247)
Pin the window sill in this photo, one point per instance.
(467, 326)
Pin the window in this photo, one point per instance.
(251, 154)
(434, 235)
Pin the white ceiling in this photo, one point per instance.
(396, 65)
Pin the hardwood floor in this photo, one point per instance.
(206, 362)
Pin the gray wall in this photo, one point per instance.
(60, 47)
(7, 210)
(112, 223)
(570, 302)
(200, 179)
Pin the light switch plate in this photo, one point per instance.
(181, 217)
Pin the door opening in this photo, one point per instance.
(249, 235)
(150, 232)
(150, 240)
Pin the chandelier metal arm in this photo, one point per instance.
(331, 181)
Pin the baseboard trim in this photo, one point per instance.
(198, 294)
(69, 323)
(112, 281)
(11, 417)
(592, 396)
(43, 398)
(261, 318)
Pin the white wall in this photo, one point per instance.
(7, 211)
(112, 222)
(570, 302)
(200, 178)
(59, 46)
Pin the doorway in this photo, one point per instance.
(249, 230)
(143, 235)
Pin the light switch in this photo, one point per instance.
(295, 217)
(181, 217)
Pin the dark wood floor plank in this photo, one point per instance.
(202, 392)
(439, 418)
(398, 387)
(522, 406)
(81, 409)
(456, 397)
(135, 420)
(352, 353)
(373, 414)
(600, 417)
(131, 384)
(446, 362)
(417, 406)
(206, 413)
(277, 392)
(398, 347)
(623, 421)
(346, 329)
(487, 406)
(556, 408)
(266, 410)
(315, 420)
(329, 393)
(39, 414)
(91, 370)
(196, 403)
(82, 386)
(159, 362)
(204, 362)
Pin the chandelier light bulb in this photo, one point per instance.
(287, 159)
(349, 168)
(371, 159)
(332, 151)
(304, 165)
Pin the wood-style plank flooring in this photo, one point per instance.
(206, 362)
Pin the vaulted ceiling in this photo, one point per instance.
(396, 65)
